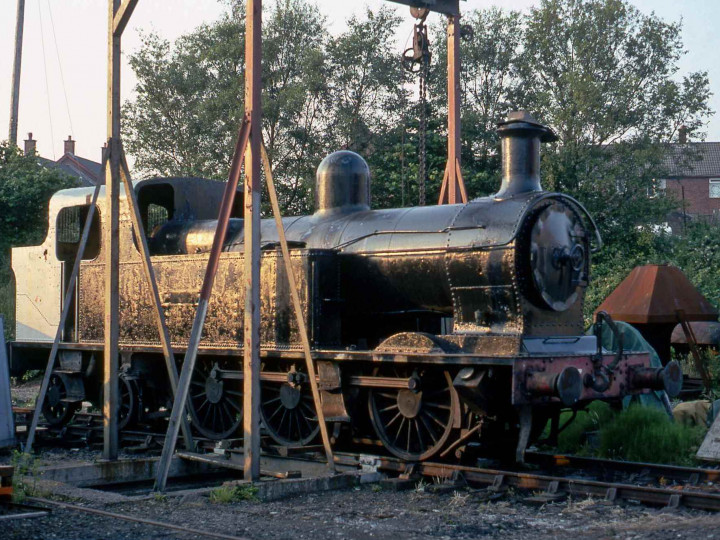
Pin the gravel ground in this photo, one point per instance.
(368, 513)
(365, 512)
(25, 392)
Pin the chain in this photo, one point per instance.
(422, 129)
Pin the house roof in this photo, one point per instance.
(88, 172)
(700, 159)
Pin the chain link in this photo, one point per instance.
(422, 129)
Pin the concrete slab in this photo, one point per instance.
(82, 482)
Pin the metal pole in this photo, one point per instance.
(111, 242)
(251, 346)
(302, 327)
(15, 99)
(205, 293)
(69, 294)
(453, 186)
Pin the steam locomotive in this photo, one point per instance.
(434, 328)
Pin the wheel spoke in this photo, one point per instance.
(391, 422)
(436, 405)
(399, 431)
(434, 418)
(280, 408)
(389, 408)
(428, 429)
(423, 447)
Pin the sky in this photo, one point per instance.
(63, 82)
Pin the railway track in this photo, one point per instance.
(693, 488)
(548, 477)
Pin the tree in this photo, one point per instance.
(488, 59)
(25, 190)
(319, 94)
(605, 77)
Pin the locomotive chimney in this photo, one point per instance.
(521, 136)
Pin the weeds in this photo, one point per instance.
(636, 434)
(573, 438)
(459, 499)
(647, 434)
(227, 493)
(25, 466)
(376, 488)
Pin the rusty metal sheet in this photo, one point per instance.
(706, 333)
(620, 386)
(653, 294)
(179, 280)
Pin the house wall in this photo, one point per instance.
(697, 195)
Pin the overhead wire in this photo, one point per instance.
(62, 76)
(47, 86)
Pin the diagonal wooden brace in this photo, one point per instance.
(297, 307)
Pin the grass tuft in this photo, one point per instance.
(636, 434)
(25, 476)
(647, 434)
(227, 493)
(573, 437)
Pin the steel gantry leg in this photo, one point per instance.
(453, 186)
(251, 224)
(205, 293)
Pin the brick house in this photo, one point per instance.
(87, 172)
(694, 180)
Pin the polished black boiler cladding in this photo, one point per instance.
(436, 329)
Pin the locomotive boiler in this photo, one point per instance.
(434, 328)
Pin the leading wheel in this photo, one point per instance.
(288, 410)
(215, 402)
(56, 411)
(414, 424)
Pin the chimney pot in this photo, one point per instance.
(682, 134)
(103, 153)
(30, 145)
(69, 145)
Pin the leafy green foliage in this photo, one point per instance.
(25, 190)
